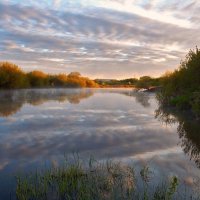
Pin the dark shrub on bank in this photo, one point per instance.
(181, 88)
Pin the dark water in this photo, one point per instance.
(37, 127)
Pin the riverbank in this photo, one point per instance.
(181, 88)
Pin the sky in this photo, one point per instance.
(99, 38)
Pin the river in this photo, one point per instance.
(39, 126)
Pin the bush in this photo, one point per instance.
(195, 103)
(181, 102)
(180, 88)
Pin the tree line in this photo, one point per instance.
(145, 82)
(13, 77)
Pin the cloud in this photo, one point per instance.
(164, 17)
(57, 3)
(98, 39)
(53, 59)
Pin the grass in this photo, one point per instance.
(94, 181)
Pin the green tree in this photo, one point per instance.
(182, 87)
(144, 82)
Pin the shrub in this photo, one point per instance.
(195, 103)
(180, 88)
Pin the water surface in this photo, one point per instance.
(38, 127)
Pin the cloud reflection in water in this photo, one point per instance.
(110, 124)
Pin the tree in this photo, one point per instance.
(74, 74)
(58, 80)
(11, 76)
(144, 82)
(38, 79)
(182, 87)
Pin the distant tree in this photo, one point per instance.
(148, 82)
(144, 82)
(74, 74)
(11, 76)
(38, 79)
(58, 80)
(130, 81)
(90, 83)
(75, 81)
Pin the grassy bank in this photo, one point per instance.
(95, 181)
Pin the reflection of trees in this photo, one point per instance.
(165, 116)
(12, 101)
(8, 105)
(140, 97)
(188, 130)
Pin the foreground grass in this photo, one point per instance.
(96, 181)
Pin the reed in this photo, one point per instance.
(94, 181)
